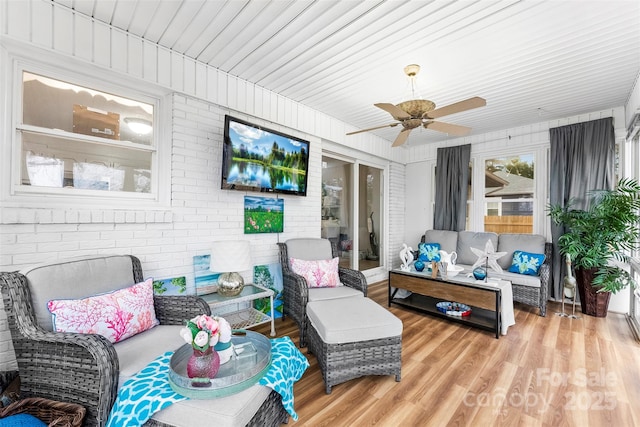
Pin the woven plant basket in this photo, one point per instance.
(592, 303)
(58, 414)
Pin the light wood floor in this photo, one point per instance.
(548, 371)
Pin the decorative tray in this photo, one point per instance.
(453, 308)
(243, 370)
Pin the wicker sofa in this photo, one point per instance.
(530, 290)
(88, 369)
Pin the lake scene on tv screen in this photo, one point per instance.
(266, 160)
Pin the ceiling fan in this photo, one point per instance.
(421, 112)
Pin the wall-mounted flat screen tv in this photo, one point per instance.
(259, 159)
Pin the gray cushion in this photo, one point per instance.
(471, 239)
(448, 240)
(320, 294)
(138, 351)
(516, 279)
(75, 278)
(309, 249)
(509, 243)
(353, 319)
(231, 411)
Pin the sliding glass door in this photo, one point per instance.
(369, 216)
(352, 211)
(337, 216)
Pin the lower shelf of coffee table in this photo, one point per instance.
(426, 292)
(479, 317)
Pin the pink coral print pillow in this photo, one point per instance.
(318, 274)
(117, 315)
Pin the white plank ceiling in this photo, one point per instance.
(531, 60)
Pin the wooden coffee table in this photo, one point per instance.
(484, 300)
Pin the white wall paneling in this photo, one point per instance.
(119, 48)
(41, 22)
(397, 202)
(83, 45)
(101, 36)
(632, 107)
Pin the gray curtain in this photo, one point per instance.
(452, 187)
(582, 158)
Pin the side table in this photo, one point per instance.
(246, 317)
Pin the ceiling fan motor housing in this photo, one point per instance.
(411, 123)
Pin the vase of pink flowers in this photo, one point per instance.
(203, 333)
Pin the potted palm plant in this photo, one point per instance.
(598, 239)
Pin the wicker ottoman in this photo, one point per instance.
(353, 337)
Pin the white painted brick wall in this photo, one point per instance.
(166, 241)
(396, 212)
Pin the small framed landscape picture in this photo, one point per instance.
(206, 281)
(174, 286)
(269, 276)
(263, 215)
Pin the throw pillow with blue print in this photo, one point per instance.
(429, 252)
(526, 263)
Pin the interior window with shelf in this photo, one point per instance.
(74, 138)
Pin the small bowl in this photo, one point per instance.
(453, 270)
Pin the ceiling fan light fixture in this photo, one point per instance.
(412, 70)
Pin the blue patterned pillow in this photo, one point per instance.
(526, 263)
(429, 252)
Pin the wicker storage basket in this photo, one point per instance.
(58, 414)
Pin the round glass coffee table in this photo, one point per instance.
(250, 361)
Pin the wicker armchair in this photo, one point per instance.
(296, 293)
(70, 367)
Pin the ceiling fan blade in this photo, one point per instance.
(401, 138)
(390, 125)
(449, 128)
(395, 111)
(456, 107)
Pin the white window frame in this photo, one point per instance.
(13, 193)
(534, 200)
(540, 197)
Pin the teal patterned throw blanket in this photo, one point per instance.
(287, 367)
(149, 391)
